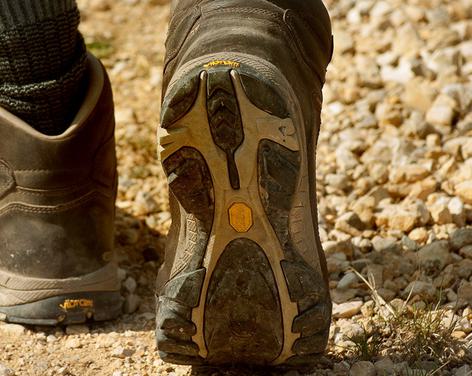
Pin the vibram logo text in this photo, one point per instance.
(215, 63)
(76, 303)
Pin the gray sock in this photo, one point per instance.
(42, 62)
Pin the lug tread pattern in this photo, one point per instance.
(279, 170)
(180, 102)
(243, 314)
(225, 119)
(190, 182)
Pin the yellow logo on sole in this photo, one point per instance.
(216, 63)
(76, 303)
(240, 217)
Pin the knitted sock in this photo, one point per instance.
(42, 62)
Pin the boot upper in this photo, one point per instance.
(57, 193)
(293, 35)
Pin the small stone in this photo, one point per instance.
(401, 219)
(347, 281)
(464, 268)
(461, 237)
(121, 274)
(425, 289)
(331, 247)
(419, 94)
(126, 115)
(464, 191)
(400, 74)
(441, 214)
(466, 251)
(131, 304)
(338, 181)
(419, 235)
(362, 368)
(364, 245)
(341, 296)
(409, 244)
(77, 329)
(12, 329)
(457, 209)
(344, 42)
(423, 189)
(130, 285)
(51, 338)
(368, 309)
(350, 223)
(346, 310)
(442, 111)
(63, 371)
(464, 293)
(435, 255)
(73, 343)
(384, 367)
(5, 371)
(385, 244)
(121, 352)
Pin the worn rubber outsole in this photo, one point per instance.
(239, 291)
(67, 309)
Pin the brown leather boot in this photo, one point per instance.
(57, 196)
(245, 279)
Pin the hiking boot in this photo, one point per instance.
(245, 278)
(57, 202)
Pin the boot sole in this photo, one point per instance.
(239, 292)
(35, 301)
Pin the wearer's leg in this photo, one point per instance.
(42, 62)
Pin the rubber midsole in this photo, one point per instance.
(16, 289)
(66, 309)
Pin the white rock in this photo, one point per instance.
(121, 352)
(464, 191)
(130, 285)
(346, 310)
(347, 281)
(400, 74)
(73, 343)
(457, 209)
(350, 223)
(442, 111)
(380, 9)
(12, 329)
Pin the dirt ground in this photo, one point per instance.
(394, 173)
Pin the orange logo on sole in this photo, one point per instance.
(240, 217)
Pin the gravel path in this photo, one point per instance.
(395, 195)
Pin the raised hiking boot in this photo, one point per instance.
(57, 196)
(244, 280)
